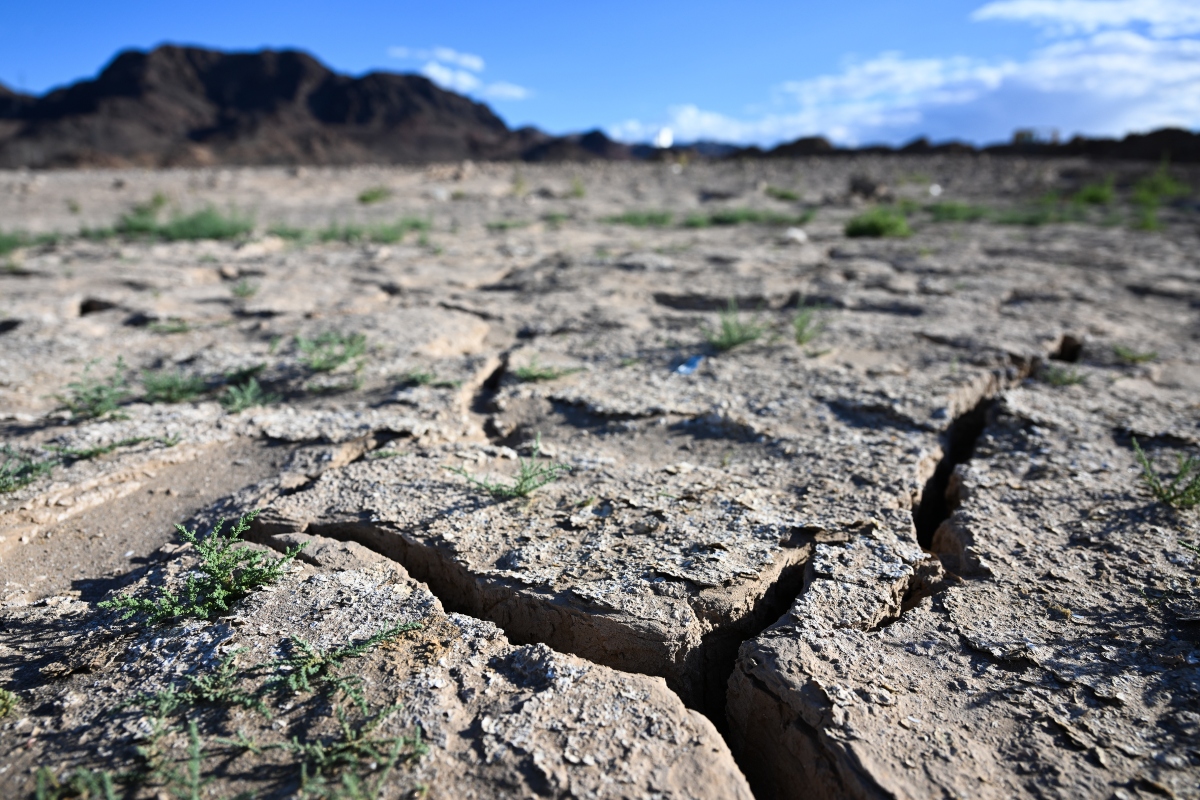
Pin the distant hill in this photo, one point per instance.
(182, 106)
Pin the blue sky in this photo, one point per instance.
(858, 71)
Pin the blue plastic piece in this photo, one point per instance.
(689, 366)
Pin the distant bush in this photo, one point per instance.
(879, 222)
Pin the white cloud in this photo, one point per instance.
(1164, 18)
(458, 72)
(1107, 82)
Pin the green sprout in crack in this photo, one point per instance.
(18, 470)
(330, 350)
(226, 574)
(244, 289)
(250, 394)
(1130, 356)
(535, 372)
(172, 387)
(89, 397)
(1183, 492)
(1062, 376)
(170, 326)
(531, 475)
(734, 331)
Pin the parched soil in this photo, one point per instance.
(612, 480)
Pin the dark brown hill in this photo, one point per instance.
(192, 106)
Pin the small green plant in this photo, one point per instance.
(1096, 194)
(290, 233)
(248, 394)
(81, 783)
(389, 233)
(577, 188)
(641, 219)
(330, 350)
(733, 331)
(143, 219)
(956, 212)
(172, 387)
(170, 326)
(878, 222)
(8, 702)
(88, 453)
(806, 326)
(533, 371)
(244, 289)
(531, 475)
(205, 224)
(89, 397)
(227, 573)
(1152, 191)
(1183, 492)
(375, 194)
(501, 225)
(1130, 356)
(739, 216)
(1062, 376)
(17, 470)
(777, 193)
(555, 219)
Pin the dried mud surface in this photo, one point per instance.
(911, 556)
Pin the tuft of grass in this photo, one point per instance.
(330, 350)
(641, 219)
(739, 216)
(82, 783)
(733, 330)
(11, 241)
(388, 233)
(806, 326)
(1150, 192)
(250, 394)
(8, 702)
(172, 387)
(227, 572)
(419, 377)
(1183, 492)
(375, 194)
(171, 325)
(956, 212)
(531, 475)
(89, 397)
(878, 222)
(1130, 356)
(205, 224)
(1062, 376)
(88, 453)
(501, 225)
(535, 372)
(577, 188)
(244, 289)
(290, 233)
(555, 219)
(143, 219)
(17, 470)
(1096, 194)
(777, 193)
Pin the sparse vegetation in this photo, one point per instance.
(375, 194)
(82, 783)
(739, 216)
(208, 223)
(531, 475)
(1183, 492)
(330, 350)
(1096, 194)
(878, 222)
(1061, 376)
(88, 453)
(419, 377)
(1151, 192)
(244, 289)
(388, 233)
(17, 470)
(8, 701)
(1130, 356)
(241, 396)
(501, 225)
(227, 573)
(733, 331)
(89, 397)
(290, 233)
(956, 212)
(536, 372)
(11, 241)
(777, 193)
(577, 188)
(172, 387)
(555, 219)
(170, 325)
(805, 325)
(641, 219)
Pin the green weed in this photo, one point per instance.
(1062, 376)
(878, 222)
(143, 219)
(501, 225)
(1131, 356)
(330, 350)
(777, 193)
(535, 372)
(227, 573)
(733, 330)
(8, 702)
(244, 289)
(739, 216)
(376, 194)
(641, 219)
(11, 241)
(172, 387)
(82, 783)
(956, 212)
(555, 219)
(1181, 492)
(1096, 194)
(806, 326)
(243, 395)
(577, 188)
(205, 224)
(290, 233)
(88, 453)
(18, 470)
(171, 325)
(89, 397)
(531, 475)
(389, 233)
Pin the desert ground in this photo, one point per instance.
(621, 480)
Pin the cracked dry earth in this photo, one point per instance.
(898, 560)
